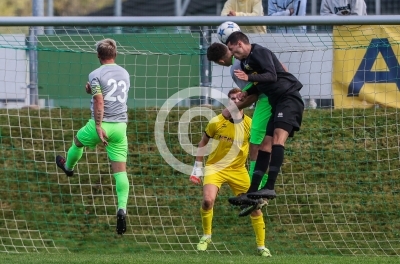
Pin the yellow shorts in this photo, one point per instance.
(238, 179)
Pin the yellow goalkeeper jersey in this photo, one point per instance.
(230, 145)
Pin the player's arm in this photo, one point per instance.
(284, 67)
(263, 58)
(257, 10)
(247, 101)
(98, 108)
(198, 167)
(241, 76)
(201, 150)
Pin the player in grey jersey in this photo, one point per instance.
(109, 86)
(112, 81)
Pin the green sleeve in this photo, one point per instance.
(248, 86)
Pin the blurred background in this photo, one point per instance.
(160, 7)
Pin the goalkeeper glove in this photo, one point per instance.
(197, 172)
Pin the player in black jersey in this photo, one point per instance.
(262, 67)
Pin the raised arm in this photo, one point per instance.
(265, 60)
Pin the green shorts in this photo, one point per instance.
(117, 148)
(261, 115)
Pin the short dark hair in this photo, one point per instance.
(233, 91)
(236, 36)
(216, 51)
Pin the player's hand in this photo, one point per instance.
(241, 75)
(241, 96)
(291, 11)
(232, 13)
(226, 114)
(102, 135)
(197, 173)
(88, 88)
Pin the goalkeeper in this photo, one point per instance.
(226, 164)
(109, 85)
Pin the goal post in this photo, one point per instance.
(338, 191)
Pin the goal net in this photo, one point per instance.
(338, 190)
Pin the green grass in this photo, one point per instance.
(187, 258)
(338, 191)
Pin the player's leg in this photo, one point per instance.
(289, 115)
(117, 151)
(277, 154)
(211, 184)
(122, 189)
(260, 168)
(257, 221)
(261, 116)
(239, 183)
(86, 136)
(206, 212)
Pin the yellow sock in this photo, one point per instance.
(259, 229)
(206, 220)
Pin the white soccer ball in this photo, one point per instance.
(226, 29)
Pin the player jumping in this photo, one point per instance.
(109, 85)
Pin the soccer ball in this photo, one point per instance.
(226, 29)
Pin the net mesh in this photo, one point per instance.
(338, 191)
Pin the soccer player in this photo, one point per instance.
(221, 55)
(282, 89)
(109, 85)
(226, 164)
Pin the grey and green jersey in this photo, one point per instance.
(112, 81)
(236, 66)
(261, 114)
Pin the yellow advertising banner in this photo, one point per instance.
(366, 69)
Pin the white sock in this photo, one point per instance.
(207, 236)
(259, 248)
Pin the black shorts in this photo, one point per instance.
(287, 113)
